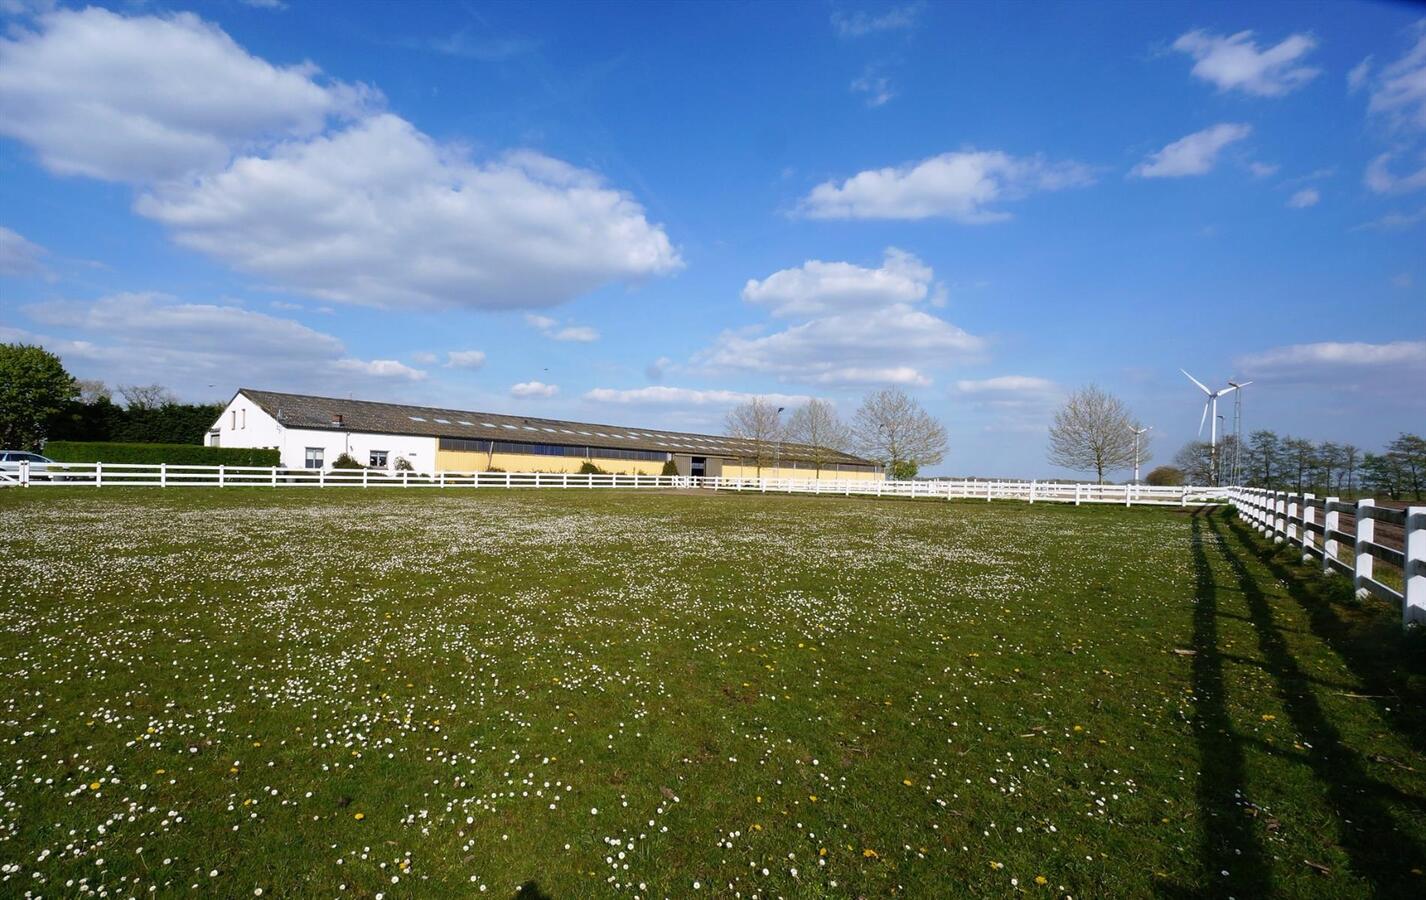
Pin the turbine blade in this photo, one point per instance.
(1195, 381)
(1203, 418)
(1244, 384)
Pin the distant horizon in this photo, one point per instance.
(633, 212)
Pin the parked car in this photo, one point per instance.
(39, 465)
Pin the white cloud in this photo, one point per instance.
(1263, 170)
(877, 89)
(1359, 75)
(958, 186)
(381, 368)
(1007, 384)
(1399, 90)
(197, 348)
(867, 347)
(1307, 358)
(1382, 180)
(860, 24)
(660, 395)
(1234, 62)
(147, 97)
(550, 327)
(299, 182)
(1394, 221)
(465, 359)
(18, 256)
(1304, 198)
(534, 389)
(818, 287)
(1195, 154)
(380, 214)
(656, 370)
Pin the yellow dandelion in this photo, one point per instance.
(869, 853)
(358, 816)
(906, 781)
(94, 786)
(1041, 880)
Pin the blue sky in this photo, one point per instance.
(640, 213)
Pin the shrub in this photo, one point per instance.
(1165, 476)
(345, 461)
(174, 454)
(403, 464)
(904, 469)
(669, 467)
(590, 468)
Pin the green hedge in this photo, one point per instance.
(175, 454)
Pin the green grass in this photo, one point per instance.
(420, 694)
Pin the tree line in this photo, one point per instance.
(1268, 460)
(889, 428)
(40, 401)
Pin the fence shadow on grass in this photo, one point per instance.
(1229, 839)
(1391, 667)
(1379, 851)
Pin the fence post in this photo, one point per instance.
(163, 474)
(1032, 491)
(1292, 506)
(1076, 494)
(364, 473)
(988, 490)
(1414, 568)
(24, 473)
(274, 476)
(1309, 518)
(442, 476)
(1329, 525)
(564, 480)
(98, 474)
(507, 479)
(1127, 495)
(1366, 533)
(1278, 526)
(222, 473)
(321, 478)
(405, 477)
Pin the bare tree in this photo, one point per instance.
(892, 428)
(146, 396)
(92, 390)
(818, 426)
(756, 420)
(1092, 432)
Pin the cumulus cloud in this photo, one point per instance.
(151, 337)
(19, 257)
(1234, 62)
(855, 326)
(534, 389)
(380, 214)
(818, 287)
(465, 359)
(1398, 90)
(303, 182)
(660, 395)
(152, 97)
(1195, 154)
(860, 24)
(960, 186)
(552, 328)
(1304, 198)
(876, 88)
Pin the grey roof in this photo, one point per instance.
(304, 411)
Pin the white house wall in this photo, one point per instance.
(244, 424)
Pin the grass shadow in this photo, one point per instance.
(1390, 665)
(1378, 850)
(1230, 849)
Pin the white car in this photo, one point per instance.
(39, 465)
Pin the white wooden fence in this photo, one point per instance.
(166, 475)
(1316, 525)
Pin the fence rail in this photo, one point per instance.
(1327, 529)
(164, 475)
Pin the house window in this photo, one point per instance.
(244, 418)
(234, 423)
(314, 457)
(376, 459)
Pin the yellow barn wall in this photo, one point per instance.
(734, 470)
(473, 461)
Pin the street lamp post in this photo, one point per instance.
(1137, 432)
(777, 455)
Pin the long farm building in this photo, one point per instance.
(312, 432)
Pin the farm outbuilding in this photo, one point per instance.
(312, 432)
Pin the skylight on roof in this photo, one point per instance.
(488, 424)
(444, 421)
(416, 418)
(464, 422)
(511, 427)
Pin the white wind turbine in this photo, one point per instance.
(1210, 408)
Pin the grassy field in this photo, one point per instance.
(408, 693)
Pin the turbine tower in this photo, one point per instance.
(1210, 407)
(1137, 433)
